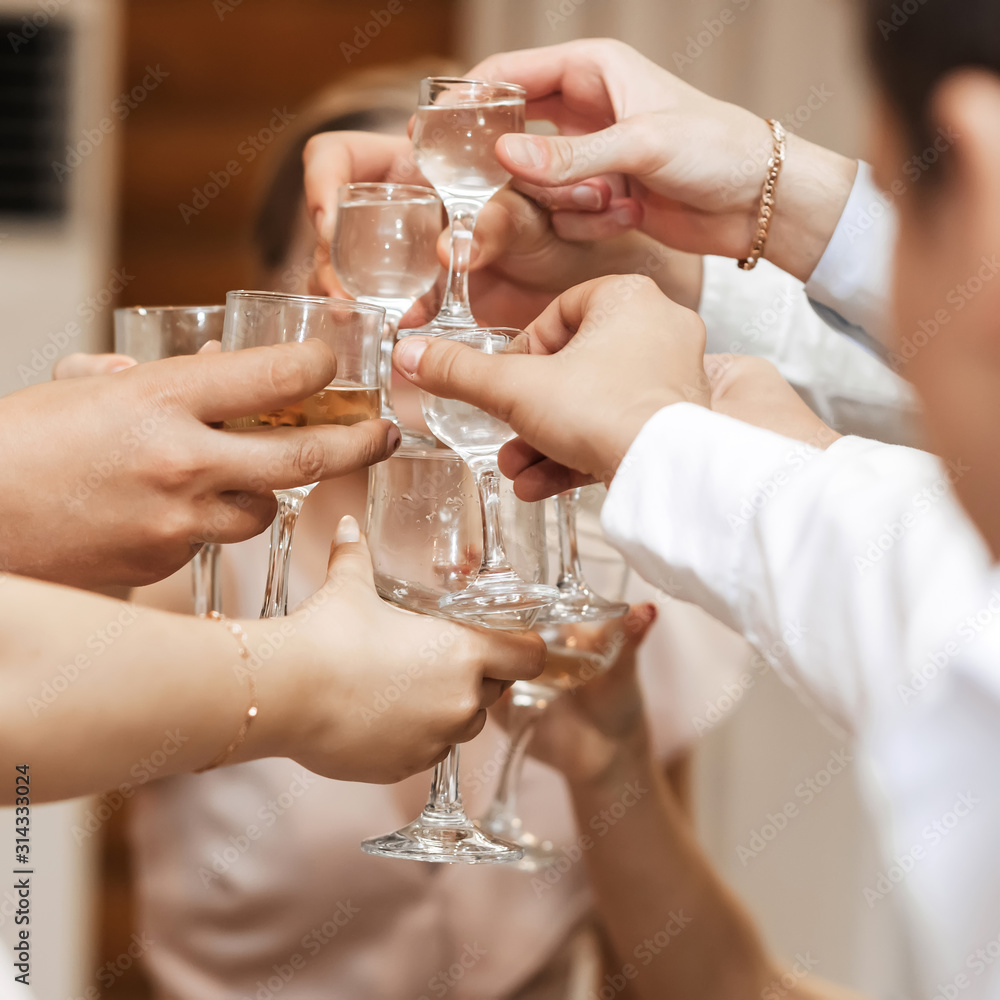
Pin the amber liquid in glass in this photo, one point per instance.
(338, 403)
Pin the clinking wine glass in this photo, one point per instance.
(384, 251)
(477, 437)
(570, 627)
(455, 131)
(151, 334)
(425, 535)
(353, 331)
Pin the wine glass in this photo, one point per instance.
(150, 334)
(455, 131)
(477, 437)
(570, 628)
(353, 331)
(384, 251)
(424, 532)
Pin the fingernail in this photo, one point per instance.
(409, 352)
(394, 438)
(474, 251)
(586, 196)
(121, 368)
(623, 216)
(348, 531)
(524, 151)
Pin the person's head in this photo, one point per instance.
(937, 157)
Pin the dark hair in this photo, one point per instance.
(274, 225)
(915, 44)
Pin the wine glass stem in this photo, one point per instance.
(455, 307)
(389, 332)
(445, 800)
(522, 720)
(280, 556)
(205, 582)
(570, 570)
(494, 557)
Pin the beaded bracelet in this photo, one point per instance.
(767, 200)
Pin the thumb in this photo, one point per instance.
(555, 161)
(350, 557)
(451, 370)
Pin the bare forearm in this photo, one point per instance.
(677, 930)
(95, 693)
(812, 192)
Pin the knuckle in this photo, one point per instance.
(282, 373)
(308, 459)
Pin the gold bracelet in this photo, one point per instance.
(767, 200)
(241, 638)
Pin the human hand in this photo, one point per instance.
(587, 733)
(363, 691)
(117, 479)
(520, 262)
(686, 168)
(602, 359)
(752, 390)
(83, 365)
(333, 159)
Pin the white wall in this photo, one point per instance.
(49, 271)
(47, 274)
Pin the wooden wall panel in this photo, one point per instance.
(229, 65)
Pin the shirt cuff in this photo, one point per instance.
(852, 280)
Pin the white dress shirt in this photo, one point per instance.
(859, 578)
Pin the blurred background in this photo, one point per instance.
(137, 136)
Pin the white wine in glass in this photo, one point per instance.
(456, 146)
(384, 251)
(477, 437)
(455, 132)
(149, 333)
(353, 332)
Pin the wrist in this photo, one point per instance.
(276, 662)
(810, 198)
(627, 759)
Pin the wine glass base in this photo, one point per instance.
(458, 841)
(439, 325)
(500, 597)
(537, 854)
(580, 604)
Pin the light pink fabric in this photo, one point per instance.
(232, 888)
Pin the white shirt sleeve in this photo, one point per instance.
(850, 287)
(765, 312)
(859, 578)
(843, 567)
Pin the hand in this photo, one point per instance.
(685, 167)
(588, 733)
(752, 390)
(333, 159)
(83, 365)
(117, 479)
(520, 262)
(603, 358)
(366, 692)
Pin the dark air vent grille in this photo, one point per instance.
(33, 102)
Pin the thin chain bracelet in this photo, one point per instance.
(767, 200)
(236, 630)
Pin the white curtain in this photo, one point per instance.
(768, 55)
